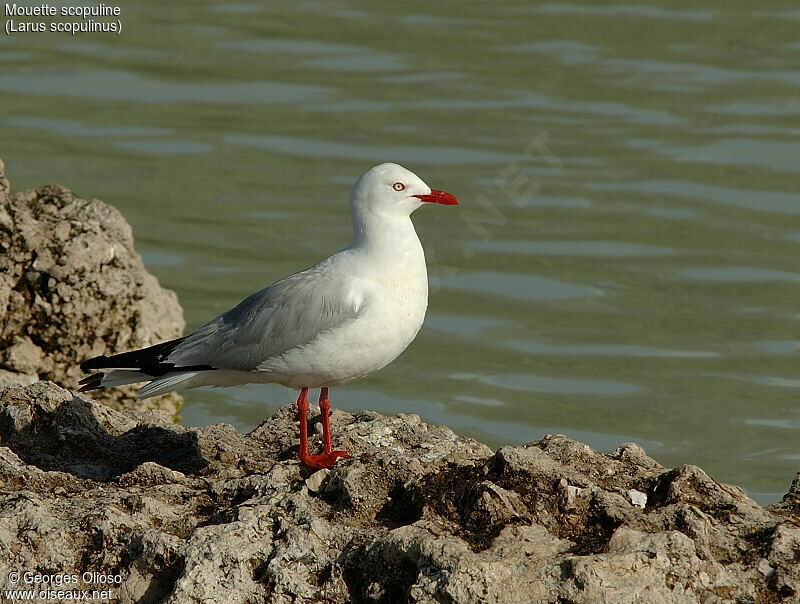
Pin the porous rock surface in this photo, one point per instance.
(72, 287)
(417, 514)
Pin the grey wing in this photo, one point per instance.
(283, 316)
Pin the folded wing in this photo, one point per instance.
(269, 323)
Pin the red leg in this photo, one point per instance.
(328, 457)
(325, 416)
(325, 412)
(302, 413)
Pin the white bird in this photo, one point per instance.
(341, 319)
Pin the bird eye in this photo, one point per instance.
(398, 186)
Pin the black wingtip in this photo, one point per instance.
(92, 382)
(142, 359)
(95, 363)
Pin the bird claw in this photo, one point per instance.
(323, 461)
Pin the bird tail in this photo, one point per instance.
(144, 365)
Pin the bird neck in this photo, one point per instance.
(389, 237)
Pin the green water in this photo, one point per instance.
(624, 264)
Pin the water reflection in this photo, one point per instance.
(779, 346)
(610, 350)
(132, 87)
(459, 324)
(566, 50)
(629, 113)
(739, 151)
(758, 108)
(779, 382)
(652, 12)
(238, 8)
(734, 274)
(292, 46)
(791, 424)
(764, 201)
(672, 212)
(571, 248)
(553, 385)
(160, 258)
(76, 128)
(421, 155)
(531, 287)
(166, 147)
(116, 50)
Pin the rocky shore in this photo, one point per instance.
(72, 287)
(417, 514)
(124, 502)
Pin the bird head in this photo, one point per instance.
(390, 189)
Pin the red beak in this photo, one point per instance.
(439, 197)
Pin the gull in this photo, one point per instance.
(337, 321)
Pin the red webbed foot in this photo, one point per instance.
(323, 461)
(328, 458)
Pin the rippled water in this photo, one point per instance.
(625, 262)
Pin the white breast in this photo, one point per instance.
(391, 318)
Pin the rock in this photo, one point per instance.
(23, 356)
(4, 186)
(637, 498)
(417, 514)
(315, 481)
(72, 287)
